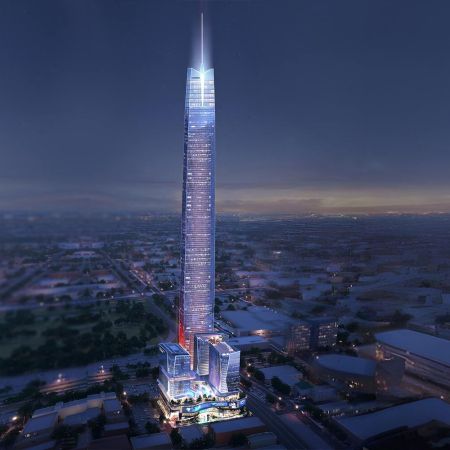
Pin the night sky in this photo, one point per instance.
(322, 105)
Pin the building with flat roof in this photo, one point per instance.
(425, 356)
(408, 416)
(38, 429)
(287, 374)
(116, 428)
(155, 441)
(41, 425)
(224, 431)
(266, 439)
(259, 321)
(175, 373)
(244, 343)
(117, 442)
(358, 374)
(190, 434)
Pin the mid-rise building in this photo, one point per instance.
(175, 373)
(298, 338)
(323, 332)
(202, 351)
(224, 364)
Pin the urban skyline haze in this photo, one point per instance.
(343, 107)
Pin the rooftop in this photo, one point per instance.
(236, 424)
(112, 405)
(420, 344)
(119, 442)
(174, 349)
(224, 347)
(247, 340)
(150, 440)
(347, 364)
(190, 433)
(44, 422)
(407, 415)
(287, 374)
(258, 318)
(82, 417)
(117, 426)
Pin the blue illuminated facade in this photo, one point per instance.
(199, 376)
(175, 373)
(224, 366)
(196, 307)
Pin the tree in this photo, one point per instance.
(175, 437)
(152, 428)
(400, 318)
(259, 375)
(279, 386)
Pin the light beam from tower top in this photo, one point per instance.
(202, 68)
(201, 43)
(201, 59)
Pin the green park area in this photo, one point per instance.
(57, 337)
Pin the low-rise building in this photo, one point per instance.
(287, 374)
(425, 356)
(406, 416)
(41, 425)
(38, 430)
(244, 343)
(155, 441)
(223, 431)
(317, 394)
(267, 439)
(112, 429)
(190, 434)
(358, 374)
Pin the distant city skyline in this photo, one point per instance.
(343, 107)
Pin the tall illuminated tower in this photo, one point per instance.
(196, 307)
(199, 376)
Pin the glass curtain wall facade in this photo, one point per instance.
(196, 308)
(224, 366)
(201, 351)
(174, 370)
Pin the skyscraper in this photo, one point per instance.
(196, 307)
(199, 376)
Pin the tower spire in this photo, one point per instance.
(201, 40)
